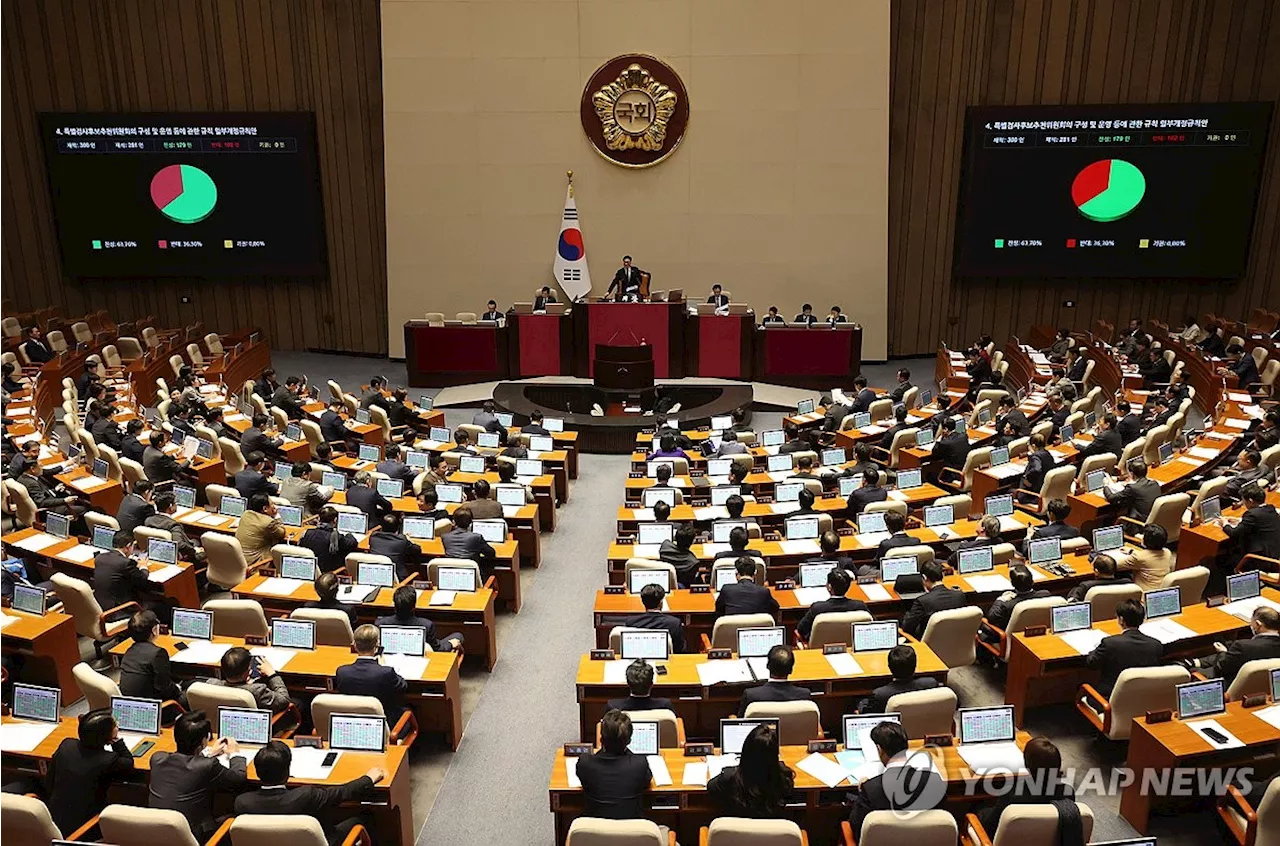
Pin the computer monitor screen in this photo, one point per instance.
(1244, 586)
(337, 481)
(833, 457)
(1210, 509)
(1044, 550)
(1201, 698)
(1090, 420)
(720, 494)
(908, 479)
(281, 469)
(232, 506)
(986, 725)
(553, 424)
(925, 437)
(802, 528)
(420, 528)
(814, 574)
(205, 449)
(184, 497)
(1108, 538)
(939, 515)
(858, 726)
(357, 732)
(644, 737)
(528, 467)
(488, 440)
(898, 565)
(650, 533)
(417, 459)
(403, 640)
(42, 704)
(651, 468)
(1166, 452)
(1275, 685)
(999, 455)
(722, 576)
(103, 537)
(510, 496)
(984, 417)
(352, 522)
(926, 397)
(249, 726)
(1066, 433)
(362, 417)
(787, 492)
(393, 488)
(471, 464)
(541, 443)
(505, 419)
(721, 528)
(719, 466)
(293, 634)
(773, 438)
(1163, 602)
(805, 406)
(58, 525)
(369, 452)
(652, 496)
(647, 645)
(493, 531)
(756, 642)
(440, 434)
(849, 484)
(719, 424)
(449, 493)
(1069, 618)
(871, 522)
(1095, 480)
(874, 637)
(999, 506)
(733, 734)
(192, 623)
(861, 419)
(456, 578)
(100, 468)
(377, 573)
(293, 432)
(779, 463)
(29, 599)
(639, 577)
(139, 716)
(977, 560)
(290, 515)
(298, 567)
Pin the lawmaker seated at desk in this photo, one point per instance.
(838, 583)
(718, 298)
(835, 317)
(653, 617)
(678, 552)
(367, 676)
(639, 686)
(759, 786)
(405, 600)
(1152, 562)
(893, 789)
(773, 318)
(144, 667)
(187, 780)
(745, 596)
(614, 779)
(738, 540)
(1125, 651)
(1058, 510)
(83, 768)
(806, 316)
(902, 666)
(1263, 644)
(667, 448)
(1136, 498)
(780, 661)
(937, 597)
(491, 312)
(461, 542)
(1104, 575)
(1042, 784)
(1256, 533)
(254, 674)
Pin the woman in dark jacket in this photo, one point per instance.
(758, 786)
(330, 546)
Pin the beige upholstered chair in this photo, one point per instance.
(596, 831)
(94, 519)
(82, 333)
(982, 405)
(286, 830)
(952, 635)
(670, 727)
(1027, 825)
(1211, 488)
(1263, 829)
(24, 508)
(739, 831)
(133, 825)
(1137, 691)
(97, 688)
(214, 493)
(925, 712)
(1192, 581)
(206, 697)
(1105, 461)
(1030, 612)
(466, 317)
(962, 481)
(197, 357)
(886, 505)
(1166, 511)
(213, 342)
(961, 504)
(225, 559)
(880, 409)
(238, 618)
(724, 635)
(1103, 599)
(922, 553)
(333, 626)
(893, 828)
(730, 565)
(798, 722)
(324, 706)
(26, 820)
(902, 439)
(835, 627)
(88, 616)
(1253, 677)
(648, 564)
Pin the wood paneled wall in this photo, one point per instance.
(947, 55)
(206, 55)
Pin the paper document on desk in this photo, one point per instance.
(160, 575)
(37, 542)
(800, 547)
(200, 652)
(695, 775)
(442, 597)
(711, 512)
(510, 511)
(992, 757)
(1007, 470)
(355, 594)
(24, 737)
(1083, 641)
(729, 672)
(644, 515)
(645, 550)
(1237, 423)
(212, 520)
(1199, 726)
(899, 496)
(823, 769)
(759, 667)
(658, 769)
(1011, 524)
(1185, 459)
(409, 667)
(1244, 608)
(1220, 436)
(717, 763)
(1269, 715)
(79, 553)
(844, 664)
(87, 483)
(5, 620)
(780, 475)
(872, 538)
(714, 549)
(525, 480)
(873, 429)
(571, 772)
(988, 584)
(615, 672)
(1203, 452)
(308, 763)
(278, 658)
(808, 596)
(784, 507)
(1166, 630)
(876, 592)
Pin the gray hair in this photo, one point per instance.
(364, 477)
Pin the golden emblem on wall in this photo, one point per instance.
(635, 110)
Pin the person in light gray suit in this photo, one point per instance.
(461, 542)
(729, 445)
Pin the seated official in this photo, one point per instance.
(639, 686)
(304, 493)
(253, 673)
(545, 297)
(899, 423)
(1024, 587)
(166, 506)
(482, 507)
(331, 546)
(951, 449)
(829, 546)
(678, 552)
(1042, 784)
(188, 779)
(730, 445)
(1152, 562)
(491, 311)
(429, 502)
(462, 442)
(760, 784)
(1131, 648)
(1010, 422)
(1128, 423)
(860, 498)
(260, 528)
(274, 795)
(47, 497)
(626, 281)
(738, 477)
(251, 480)
(1264, 643)
(1056, 352)
(988, 535)
(1161, 412)
(614, 779)
(807, 441)
(1245, 368)
(806, 500)
(511, 447)
(334, 429)
(1058, 412)
(902, 666)
(738, 540)
(838, 582)
(367, 677)
(266, 384)
(327, 587)
(1248, 470)
(901, 786)
(773, 318)
(136, 506)
(9, 383)
(118, 580)
(1106, 440)
(83, 768)
(401, 412)
(780, 662)
(937, 597)
(287, 398)
(835, 316)
(37, 351)
(1257, 531)
(863, 396)
(374, 395)
(106, 431)
(667, 448)
(534, 426)
(389, 540)
(1059, 510)
(405, 600)
(363, 495)
(745, 596)
(651, 597)
(144, 667)
(718, 298)
(159, 466)
(461, 542)
(895, 522)
(439, 474)
(257, 439)
(1104, 575)
(393, 467)
(1136, 498)
(486, 418)
(131, 447)
(213, 419)
(806, 315)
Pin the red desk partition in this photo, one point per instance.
(661, 325)
(720, 345)
(454, 355)
(808, 357)
(540, 345)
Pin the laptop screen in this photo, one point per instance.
(925, 437)
(231, 506)
(644, 737)
(721, 576)
(908, 479)
(511, 496)
(719, 466)
(861, 419)
(162, 551)
(281, 469)
(1066, 433)
(403, 640)
(871, 522)
(999, 455)
(874, 637)
(299, 566)
(293, 432)
(471, 464)
(140, 716)
(1200, 698)
(204, 449)
(1108, 538)
(1095, 480)
(939, 515)
(1244, 586)
(788, 492)
(541, 443)
(721, 528)
(1090, 420)
(977, 560)
(192, 623)
(639, 577)
(849, 484)
(814, 574)
(553, 424)
(779, 463)
(655, 533)
(456, 578)
(493, 531)
(773, 438)
(293, 634)
(249, 726)
(756, 642)
(805, 406)
(733, 734)
(440, 434)
(651, 468)
(898, 565)
(1044, 550)
(357, 732)
(1069, 618)
(417, 459)
(29, 599)
(337, 481)
(645, 645)
(100, 468)
(377, 573)
(362, 416)
(419, 528)
(530, 467)
(1210, 509)
(43, 704)
(832, 457)
(449, 493)
(720, 494)
(290, 515)
(986, 725)
(1166, 452)
(719, 424)
(488, 440)
(802, 528)
(58, 525)
(505, 419)
(353, 522)
(858, 726)
(999, 506)
(103, 537)
(984, 417)
(369, 452)
(1275, 685)
(1162, 603)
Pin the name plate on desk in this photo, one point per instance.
(938, 740)
(700, 589)
(635, 475)
(822, 746)
(421, 584)
(846, 532)
(698, 750)
(255, 640)
(835, 648)
(1162, 716)
(1035, 631)
(1253, 700)
(602, 655)
(578, 750)
(614, 590)
(786, 584)
(719, 654)
(308, 741)
(1215, 601)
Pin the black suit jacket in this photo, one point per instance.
(132, 448)
(107, 431)
(878, 701)
(1129, 427)
(1244, 650)
(772, 691)
(421, 622)
(404, 552)
(1051, 530)
(158, 465)
(396, 470)
(614, 786)
(249, 482)
(1105, 441)
(872, 796)
(860, 498)
(1039, 463)
(540, 303)
(287, 401)
(256, 440)
(626, 280)
(366, 677)
(893, 542)
(1117, 653)
(952, 450)
(306, 799)
(187, 784)
(1015, 420)
(134, 511)
(746, 597)
(331, 426)
(145, 673)
(1136, 498)
(662, 622)
(1258, 532)
(862, 401)
(38, 352)
(317, 540)
(117, 580)
(460, 544)
(834, 605)
(639, 703)
(77, 780)
(941, 598)
(369, 501)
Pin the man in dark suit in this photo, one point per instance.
(366, 677)
(745, 596)
(1161, 412)
(405, 600)
(829, 546)
(614, 780)
(35, 348)
(166, 506)
(144, 668)
(393, 467)
(896, 523)
(780, 662)
(286, 398)
(251, 480)
(1137, 497)
(266, 384)
(1154, 368)
(389, 540)
(1024, 588)
(491, 312)
(1106, 440)
(1010, 422)
(678, 552)
(83, 768)
(118, 580)
(1076, 364)
(1058, 413)
(59, 499)
(483, 507)
(130, 446)
(863, 396)
(899, 392)
(806, 315)
(375, 396)
(106, 431)
(1264, 625)
(256, 439)
(838, 581)
(544, 297)
(835, 317)
(907, 788)
(718, 298)
(1257, 531)
(639, 685)
(332, 427)
(136, 507)
(461, 542)
(1248, 470)
(979, 370)
(1131, 648)
(899, 423)
(937, 597)
(363, 495)
(952, 448)
(275, 796)
(1043, 784)
(1128, 424)
(860, 498)
(1104, 575)
(738, 540)
(1245, 368)
(902, 666)
(1039, 462)
(534, 426)
(187, 780)
(651, 597)
(626, 280)
(1059, 510)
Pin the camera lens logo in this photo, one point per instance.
(915, 785)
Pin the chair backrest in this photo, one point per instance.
(193, 353)
(129, 825)
(950, 634)
(668, 725)
(882, 505)
(89, 442)
(78, 600)
(225, 558)
(1044, 428)
(214, 493)
(111, 356)
(1132, 450)
(233, 463)
(740, 831)
(433, 568)
(279, 417)
(1268, 812)
(978, 408)
(176, 363)
(597, 831)
(280, 550)
(26, 820)
(1019, 447)
(834, 627)
(1271, 458)
(978, 457)
(1030, 612)
(238, 618)
(1156, 435)
(97, 688)
(83, 334)
(377, 415)
(729, 564)
(925, 712)
(1057, 484)
(206, 697)
(24, 507)
(1103, 599)
(277, 830)
(647, 564)
(1142, 689)
(961, 504)
(311, 431)
(1167, 511)
(1036, 825)
(922, 552)
(333, 626)
(327, 704)
(798, 721)
(615, 637)
(1191, 580)
(920, 828)
(352, 404)
(214, 344)
(1105, 461)
(1253, 677)
(902, 439)
(880, 409)
(150, 337)
(725, 633)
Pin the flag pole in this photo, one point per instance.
(570, 183)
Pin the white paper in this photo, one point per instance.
(410, 667)
(525, 480)
(899, 496)
(571, 772)
(784, 507)
(1220, 436)
(1244, 608)
(1083, 641)
(808, 596)
(1237, 423)
(200, 652)
(986, 757)
(780, 475)
(800, 547)
(212, 520)
(36, 542)
(442, 597)
(823, 769)
(279, 587)
(160, 575)
(844, 664)
(276, 657)
(1203, 452)
(645, 550)
(713, 549)
(1007, 470)
(876, 592)
(988, 583)
(1198, 726)
(872, 538)
(1269, 715)
(5, 620)
(695, 775)
(658, 769)
(306, 762)
(510, 511)
(79, 553)
(24, 737)
(759, 667)
(131, 739)
(615, 672)
(711, 512)
(87, 483)
(1011, 524)
(717, 763)
(1166, 630)
(731, 672)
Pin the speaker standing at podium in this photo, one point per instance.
(627, 281)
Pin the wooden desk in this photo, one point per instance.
(104, 495)
(543, 488)
(51, 648)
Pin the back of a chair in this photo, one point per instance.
(238, 618)
(1253, 677)
(646, 564)
(1142, 689)
(352, 404)
(1057, 484)
(880, 409)
(1075, 420)
(193, 353)
(1019, 447)
(922, 553)
(131, 824)
(224, 556)
(96, 519)
(150, 337)
(97, 688)
(81, 331)
(1167, 511)
(1036, 825)
(725, 633)
(1031, 612)
(176, 363)
(1088, 372)
(1103, 599)
(668, 725)
(77, 600)
(886, 505)
(1156, 435)
(596, 831)
(950, 634)
(740, 831)
(902, 439)
(978, 408)
(1271, 458)
(26, 820)
(1268, 812)
(920, 828)
(280, 550)
(798, 721)
(961, 504)
(333, 626)
(327, 704)
(24, 507)
(1132, 450)
(111, 356)
(277, 830)
(214, 493)
(977, 458)
(1191, 581)
(1080, 544)
(1044, 428)
(202, 696)
(834, 627)
(214, 344)
(89, 443)
(925, 712)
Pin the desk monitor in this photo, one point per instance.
(505, 419)
(1067, 432)
(893, 566)
(806, 406)
(494, 531)
(984, 417)
(471, 464)
(962, 425)
(192, 623)
(29, 599)
(376, 573)
(875, 637)
(353, 522)
(755, 642)
(440, 435)
(1201, 698)
(290, 515)
(987, 725)
(135, 715)
(939, 515)
(184, 497)
(1108, 538)
(644, 738)
(721, 423)
(861, 419)
(645, 644)
(1210, 509)
(541, 443)
(671, 423)
(1275, 685)
(369, 452)
(908, 479)
(1044, 550)
(1000, 505)
(1090, 420)
(449, 492)
(420, 528)
(281, 469)
(205, 449)
(335, 480)
(1244, 586)
(650, 497)
(779, 463)
(833, 457)
(651, 467)
(721, 528)
(510, 496)
(1162, 603)
(293, 634)
(733, 733)
(651, 533)
(529, 467)
(456, 579)
(1095, 480)
(162, 551)
(417, 459)
(100, 468)
(849, 484)
(357, 732)
(394, 488)
(1069, 618)
(362, 417)
(858, 726)
(103, 537)
(722, 576)
(925, 437)
(553, 424)
(773, 438)
(293, 432)
(58, 525)
(42, 704)
(801, 528)
(871, 523)
(403, 640)
(1166, 452)
(814, 574)
(488, 440)
(977, 560)
(926, 397)
(299, 566)
(720, 494)
(999, 455)
(719, 466)
(787, 491)
(250, 726)
(232, 506)
(639, 577)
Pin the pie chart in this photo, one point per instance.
(183, 193)
(1108, 190)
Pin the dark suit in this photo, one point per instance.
(374, 397)
(1078, 592)
(952, 450)
(1117, 653)
(38, 352)
(860, 498)
(77, 780)
(106, 431)
(1015, 420)
(639, 703)
(430, 636)
(1237, 483)
(772, 691)
(145, 673)
(1129, 427)
(614, 786)
(872, 796)
(1160, 419)
(369, 501)
(808, 319)
(940, 598)
(746, 597)
(249, 482)
(397, 470)
(1001, 610)
(332, 428)
(317, 540)
(486, 509)
(1025, 792)
(893, 542)
(159, 466)
(718, 300)
(878, 701)
(626, 280)
(255, 440)
(862, 401)
(1136, 498)
(187, 784)
(132, 448)
(1246, 370)
(134, 511)
(287, 401)
(117, 580)
(309, 800)
(1258, 532)
(1076, 373)
(1039, 463)
(1241, 652)
(461, 544)
(834, 605)
(540, 303)
(1051, 530)
(1155, 371)
(900, 391)
(366, 677)
(662, 622)
(396, 546)
(1104, 442)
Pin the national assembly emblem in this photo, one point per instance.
(635, 110)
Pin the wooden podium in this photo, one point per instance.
(623, 368)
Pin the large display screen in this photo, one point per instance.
(186, 194)
(1133, 191)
